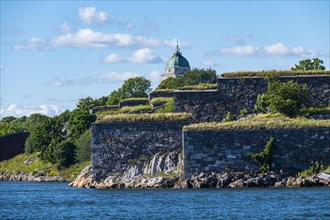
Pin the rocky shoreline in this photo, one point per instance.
(202, 180)
(38, 177)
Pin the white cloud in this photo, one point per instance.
(278, 49)
(145, 55)
(65, 28)
(90, 15)
(87, 38)
(33, 43)
(155, 77)
(19, 111)
(113, 58)
(209, 63)
(116, 77)
(88, 81)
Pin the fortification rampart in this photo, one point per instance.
(236, 94)
(114, 145)
(230, 150)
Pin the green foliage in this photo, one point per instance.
(169, 106)
(260, 122)
(193, 77)
(171, 83)
(265, 157)
(243, 112)
(163, 91)
(310, 111)
(308, 64)
(261, 103)
(65, 154)
(160, 101)
(79, 122)
(8, 119)
(274, 73)
(156, 117)
(134, 101)
(286, 98)
(86, 103)
(84, 146)
(228, 117)
(131, 88)
(6, 128)
(199, 87)
(314, 168)
(135, 109)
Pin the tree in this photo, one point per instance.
(308, 64)
(194, 77)
(200, 76)
(286, 98)
(84, 146)
(79, 122)
(64, 154)
(137, 87)
(86, 103)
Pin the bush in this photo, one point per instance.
(286, 98)
(65, 154)
(265, 157)
(261, 103)
(169, 106)
(84, 146)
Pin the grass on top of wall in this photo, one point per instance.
(156, 117)
(260, 122)
(199, 87)
(126, 110)
(274, 73)
(162, 91)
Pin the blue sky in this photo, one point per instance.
(55, 52)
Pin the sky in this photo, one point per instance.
(55, 52)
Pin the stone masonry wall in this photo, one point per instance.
(235, 94)
(114, 144)
(229, 150)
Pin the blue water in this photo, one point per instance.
(26, 200)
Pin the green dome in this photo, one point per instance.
(177, 60)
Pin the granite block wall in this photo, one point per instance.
(236, 94)
(114, 144)
(230, 150)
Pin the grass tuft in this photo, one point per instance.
(156, 117)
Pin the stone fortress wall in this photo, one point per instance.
(115, 144)
(236, 94)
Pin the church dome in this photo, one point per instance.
(177, 60)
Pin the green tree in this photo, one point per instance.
(200, 76)
(308, 64)
(261, 103)
(6, 128)
(79, 122)
(64, 154)
(84, 146)
(137, 87)
(8, 119)
(286, 98)
(86, 103)
(171, 83)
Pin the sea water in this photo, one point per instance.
(27, 200)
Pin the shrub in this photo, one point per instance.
(228, 117)
(243, 112)
(261, 103)
(314, 168)
(286, 98)
(265, 157)
(65, 153)
(84, 146)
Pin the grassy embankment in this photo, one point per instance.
(274, 73)
(260, 122)
(16, 165)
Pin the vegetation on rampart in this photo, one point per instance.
(274, 73)
(260, 122)
(199, 87)
(156, 117)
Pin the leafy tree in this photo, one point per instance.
(6, 128)
(84, 146)
(200, 76)
(286, 98)
(261, 104)
(308, 64)
(8, 119)
(64, 154)
(101, 101)
(132, 88)
(171, 83)
(79, 122)
(86, 103)
(193, 77)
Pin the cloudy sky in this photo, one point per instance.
(55, 52)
